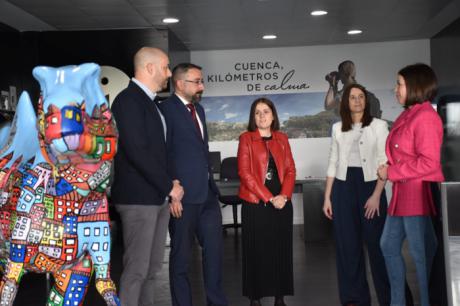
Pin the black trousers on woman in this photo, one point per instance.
(267, 250)
(352, 230)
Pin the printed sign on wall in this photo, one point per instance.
(305, 83)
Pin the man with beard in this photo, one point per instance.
(142, 182)
(199, 213)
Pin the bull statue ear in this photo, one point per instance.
(70, 83)
(92, 91)
(45, 76)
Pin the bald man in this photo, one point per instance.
(142, 184)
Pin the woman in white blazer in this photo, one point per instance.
(355, 199)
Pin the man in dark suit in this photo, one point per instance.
(142, 182)
(199, 213)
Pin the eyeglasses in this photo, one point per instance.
(196, 82)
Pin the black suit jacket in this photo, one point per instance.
(188, 152)
(141, 175)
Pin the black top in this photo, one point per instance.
(272, 180)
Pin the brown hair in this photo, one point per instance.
(252, 121)
(421, 83)
(345, 112)
(182, 69)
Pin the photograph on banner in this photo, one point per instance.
(301, 115)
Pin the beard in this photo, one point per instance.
(165, 84)
(197, 97)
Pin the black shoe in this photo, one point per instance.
(255, 303)
(279, 301)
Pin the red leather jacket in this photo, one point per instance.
(253, 162)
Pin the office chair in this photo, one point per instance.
(214, 160)
(228, 172)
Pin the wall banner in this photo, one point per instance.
(297, 80)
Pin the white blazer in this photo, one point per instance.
(371, 149)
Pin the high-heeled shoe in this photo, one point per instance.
(279, 301)
(255, 303)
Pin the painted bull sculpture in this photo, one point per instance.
(54, 171)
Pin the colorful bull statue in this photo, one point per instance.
(54, 171)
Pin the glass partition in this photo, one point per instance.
(450, 193)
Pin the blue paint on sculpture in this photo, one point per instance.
(54, 171)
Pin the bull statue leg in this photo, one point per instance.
(10, 282)
(105, 285)
(71, 284)
(99, 245)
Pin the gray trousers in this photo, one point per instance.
(144, 238)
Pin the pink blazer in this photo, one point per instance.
(413, 149)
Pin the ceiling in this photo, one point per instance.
(237, 24)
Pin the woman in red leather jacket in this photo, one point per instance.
(267, 172)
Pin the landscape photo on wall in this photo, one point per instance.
(301, 115)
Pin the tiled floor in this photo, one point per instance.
(314, 272)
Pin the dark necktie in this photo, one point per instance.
(192, 109)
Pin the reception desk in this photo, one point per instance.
(230, 187)
(316, 226)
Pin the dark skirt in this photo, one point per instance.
(267, 250)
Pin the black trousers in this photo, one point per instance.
(352, 230)
(267, 250)
(203, 221)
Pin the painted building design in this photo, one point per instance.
(53, 205)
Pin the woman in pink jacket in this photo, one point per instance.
(413, 149)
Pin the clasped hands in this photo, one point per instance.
(176, 194)
(279, 201)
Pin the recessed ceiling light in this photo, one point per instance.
(354, 32)
(269, 36)
(318, 13)
(170, 20)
